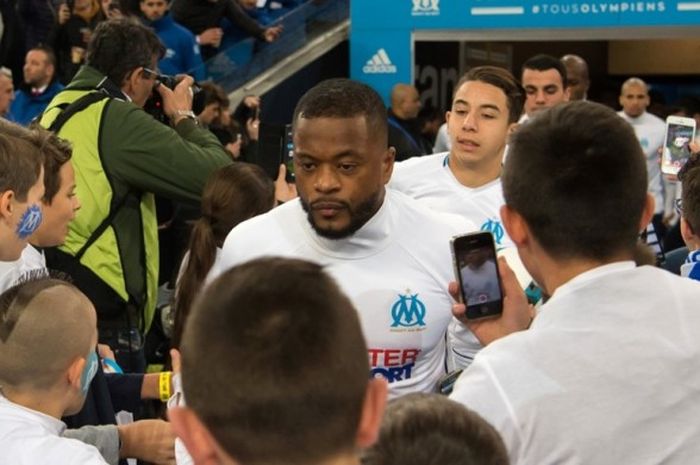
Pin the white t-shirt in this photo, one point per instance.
(11, 272)
(395, 269)
(608, 373)
(651, 131)
(429, 180)
(28, 437)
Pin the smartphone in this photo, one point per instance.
(446, 384)
(269, 151)
(680, 132)
(476, 269)
(288, 153)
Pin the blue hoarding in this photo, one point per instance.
(380, 39)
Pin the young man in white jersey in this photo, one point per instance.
(613, 357)
(650, 131)
(544, 79)
(485, 109)
(390, 255)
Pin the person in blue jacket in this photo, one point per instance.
(182, 55)
(39, 72)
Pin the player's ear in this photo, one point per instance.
(200, 444)
(372, 412)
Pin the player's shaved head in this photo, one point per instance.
(405, 101)
(45, 325)
(400, 92)
(634, 82)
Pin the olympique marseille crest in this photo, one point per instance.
(408, 311)
(425, 8)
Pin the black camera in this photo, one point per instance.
(154, 104)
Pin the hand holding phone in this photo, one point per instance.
(680, 132)
(517, 313)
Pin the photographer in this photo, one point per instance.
(122, 156)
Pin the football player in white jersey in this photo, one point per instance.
(466, 180)
(389, 254)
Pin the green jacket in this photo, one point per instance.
(122, 156)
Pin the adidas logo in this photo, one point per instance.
(379, 64)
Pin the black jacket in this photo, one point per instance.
(199, 15)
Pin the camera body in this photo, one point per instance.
(154, 104)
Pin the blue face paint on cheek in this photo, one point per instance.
(88, 372)
(30, 221)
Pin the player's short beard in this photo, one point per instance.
(359, 215)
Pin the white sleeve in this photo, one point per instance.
(479, 390)
(462, 345)
(182, 457)
(81, 455)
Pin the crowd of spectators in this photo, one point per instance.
(192, 31)
(299, 310)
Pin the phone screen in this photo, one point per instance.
(676, 150)
(477, 274)
(288, 153)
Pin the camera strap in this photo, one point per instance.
(70, 109)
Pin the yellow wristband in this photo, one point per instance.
(164, 385)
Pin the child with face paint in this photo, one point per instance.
(147, 440)
(41, 382)
(21, 189)
(56, 209)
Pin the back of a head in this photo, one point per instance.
(577, 175)
(119, 46)
(20, 159)
(429, 429)
(576, 62)
(344, 98)
(56, 152)
(213, 93)
(543, 62)
(232, 194)
(689, 176)
(45, 324)
(275, 365)
(401, 92)
(504, 80)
